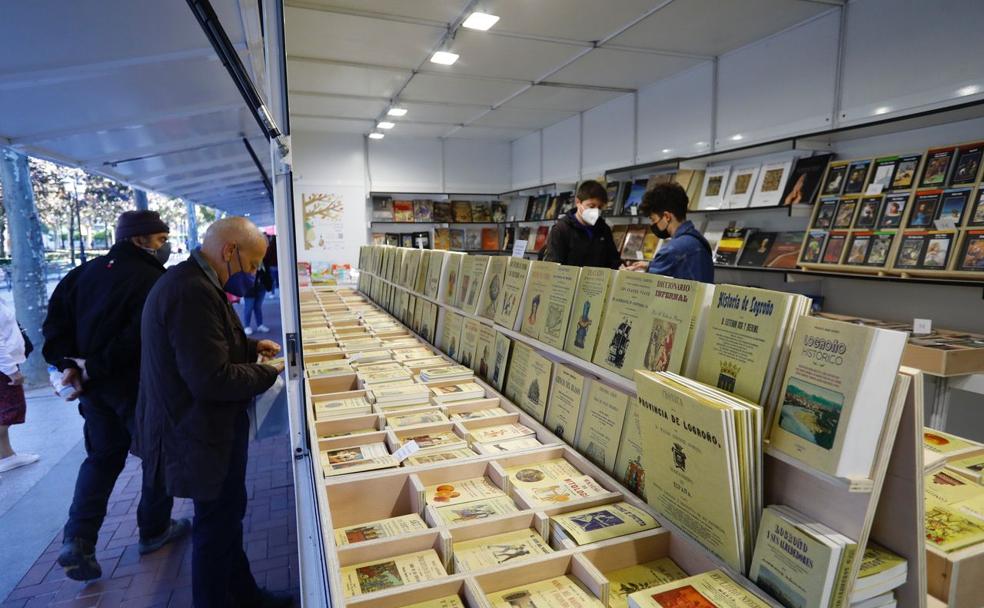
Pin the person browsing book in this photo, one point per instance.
(685, 254)
(581, 237)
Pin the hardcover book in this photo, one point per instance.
(771, 183)
(741, 186)
(391, 572)
(423, 210)
(804, 180)
(382, 209)
(967, 165)
(601, 427)
(461, 211)
(403, 211)
(441, 212)
(480, 212)
(564, 409)
(937, 169)
(756, 249)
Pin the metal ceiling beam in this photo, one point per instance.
(162, 149)
(250, 186)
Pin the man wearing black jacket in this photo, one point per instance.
(582, 237)
(92, 335)
(199, 376)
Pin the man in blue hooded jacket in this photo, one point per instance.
(687, 254)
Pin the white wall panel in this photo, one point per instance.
(562, 151)
(475, 165)
(328, 158)
(405, 164)
(675, 115)
(526, 161)
(780, 86)
(608, 137)
(910, 54)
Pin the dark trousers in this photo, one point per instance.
(220, 574)
(107, 443)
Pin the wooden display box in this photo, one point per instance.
(322, 386)
(323, 429)
(956, 578)
(524, 520)
(942, 362)
(400, 597)
(543, 568)
(462, 407)
(359, 501)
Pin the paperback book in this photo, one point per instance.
(600, 523)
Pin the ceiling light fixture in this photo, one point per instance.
(883, 110)
(375, 135)
(968, 90)
(397, 112)
(444, 57)
(480, 21)
(385, 125)
(666, 150)
(737, 137)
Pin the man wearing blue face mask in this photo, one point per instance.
(200, 374)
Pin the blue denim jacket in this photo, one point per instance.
(685, 256)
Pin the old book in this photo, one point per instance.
(382, 209)
(453, 270)
(476, 510)
(492, 412)
(438, 456)
(446, 373)
(590, 299)
(940, 447)
(415, 418)
(355, 459)
(539, 284)
(599, 523)
(741, 186)
(971, 467)
(473, 239)
(491, 287)
(461, 211)
(601, 427)
(423, 210)
(484, 358)
(714, 589)
(433, 441)
(508, 445)
(434, 270)
(391, 572)
(403, 211)
(557, 305)
(836, 395)
(500, 432)
(500, 361)
(451, 338)
(564, 409)
(539, 473)
(881, 571)
(626, 581)
(553, 492)
(461, 491)
(480, 211)
(500, 211)
(561, 591)
(528, 383)
(458, 239)
(383, 528)
(457, 392)
(469, 341)
(492, 551)
(954, 511)
(441, 212)
(629, 470)
(512, 292)
(771, 184)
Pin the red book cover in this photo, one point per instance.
(541, 237)
(403, 211)
(490, 239)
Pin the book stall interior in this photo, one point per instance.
(481, 427)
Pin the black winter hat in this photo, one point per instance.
(139, 223)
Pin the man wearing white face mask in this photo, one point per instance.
(582, 237)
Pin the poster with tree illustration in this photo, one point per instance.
(323, 228)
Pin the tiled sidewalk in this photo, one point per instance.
(163, 579)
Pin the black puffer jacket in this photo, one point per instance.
(573, 244)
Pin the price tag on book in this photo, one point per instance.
(519, 248)
(409, 449)
(922, 326)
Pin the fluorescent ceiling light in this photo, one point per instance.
(480, 21)
(376, 135)
(968, 90)
(666, 150)
(444, 57)
(883, 110)
(397, 112)
(385, 125)
(737, 137)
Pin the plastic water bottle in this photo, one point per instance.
(55, 378)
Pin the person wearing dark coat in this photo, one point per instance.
(198, 379)
(581, 237)
(92, 335)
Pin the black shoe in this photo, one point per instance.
(78, 558)
(273, 599)
(177, 529)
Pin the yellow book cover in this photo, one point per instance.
(629, 470)
(540, 473)
(939, 442)
(355, 459)
(383, 528)
(557, 305)
(690, 466)
(588, 311)
(971, 466)
(500, 361)
(949, 529)
(477, 510)
(559, 592)
(483, 360)
(391, 572)
(950, 488)
(434, 269)
(878, 559)
(744, 327)
(451, 338)
(420, 282)
(560, 491)
(564, 409)
(534, 303)
(600, 523)
(473, 269)
(469, 341)
(454, 270)
(713, 589)
(647, 323)
(491, 412)
(450, 601)
(601, 429)
(528, 384)
(438, 456)
(626, 581)
(492, 286)
(512, 292)
(500, 549)
(460, 491)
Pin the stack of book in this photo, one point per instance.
(710, 589)
(433, 441)
(503, 438)
(491, 412)
(625, 581)
(392, 572)
(456, 392)
(601, 523)
(491, 551)
(383, 528)
(403, 395)
(325, 409)
(449, 373)
(551, 483)
(954, 511)
(565, 591)
(881, 572)
(416, 418)
(355, 459)
(463, 500)
(328, 369)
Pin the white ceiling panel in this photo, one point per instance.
(182, 154)
(521, 118)
(409, 129)
(541, 97)
(330, 125)
(440, 112)
(605, 67)
(432, 10)
(588, 20)
(489, 133)
(344, 79)
(313, 33)
(501, 57)
(712, 27)
(434, 87)
(336, 107)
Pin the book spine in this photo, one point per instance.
(839, 596)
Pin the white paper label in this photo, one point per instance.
(922, 326)
(409, 449)
(874, 189)
(519, 248)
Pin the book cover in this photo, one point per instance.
(421, 240)
(406, 238)
(834, 180)
(756, 249)
(423, 210)
(741, 186)
(391, 572)
(434, 269)
(857, 251)
(599, 523)
(481, 211)
(382, 209)
(892, 210)
(490, 239)
(618, 235)
(513, 286)
(936, 255)
(633, 197)
(626, 581)
(967, 165)
(559, 591)
(383, 528)
(565, 203)
(715, 183)
(953, 203)
(971, 258)
(492, 286)
(461, 491)
(857, 177)
(868, 212)
(541, 238)
(461, 211)
(540, 473)
(881, 244)
(835, 248)
(771, 183)
(911, 250)
(634, 237)
(541, 276)
(403, 211)
(924, 208)
(528, 383)
(484, 352)
(904, 177)
(845, 213)
(784, 251)
(558, 299)
(564, 409)
(415, 419)
(466, 350)
(508, 445)
(714, 589)
(937, 168)
(508, 238)
(369, 457)
(881, 175)
(601, 427)
(613, 190)
(629, 470)
(496, 550)
(441, 212)
(650, 243)
(813, 246)
(559, 491)
(473, 268)
(473, 239)
(730, 246)
(524, 233)
(457, 239)
(553, 208)
(826, 212)
(590, 298)
(477, 510)
(500, 432)
(804, 179)
(500, 211)
(500, 361)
